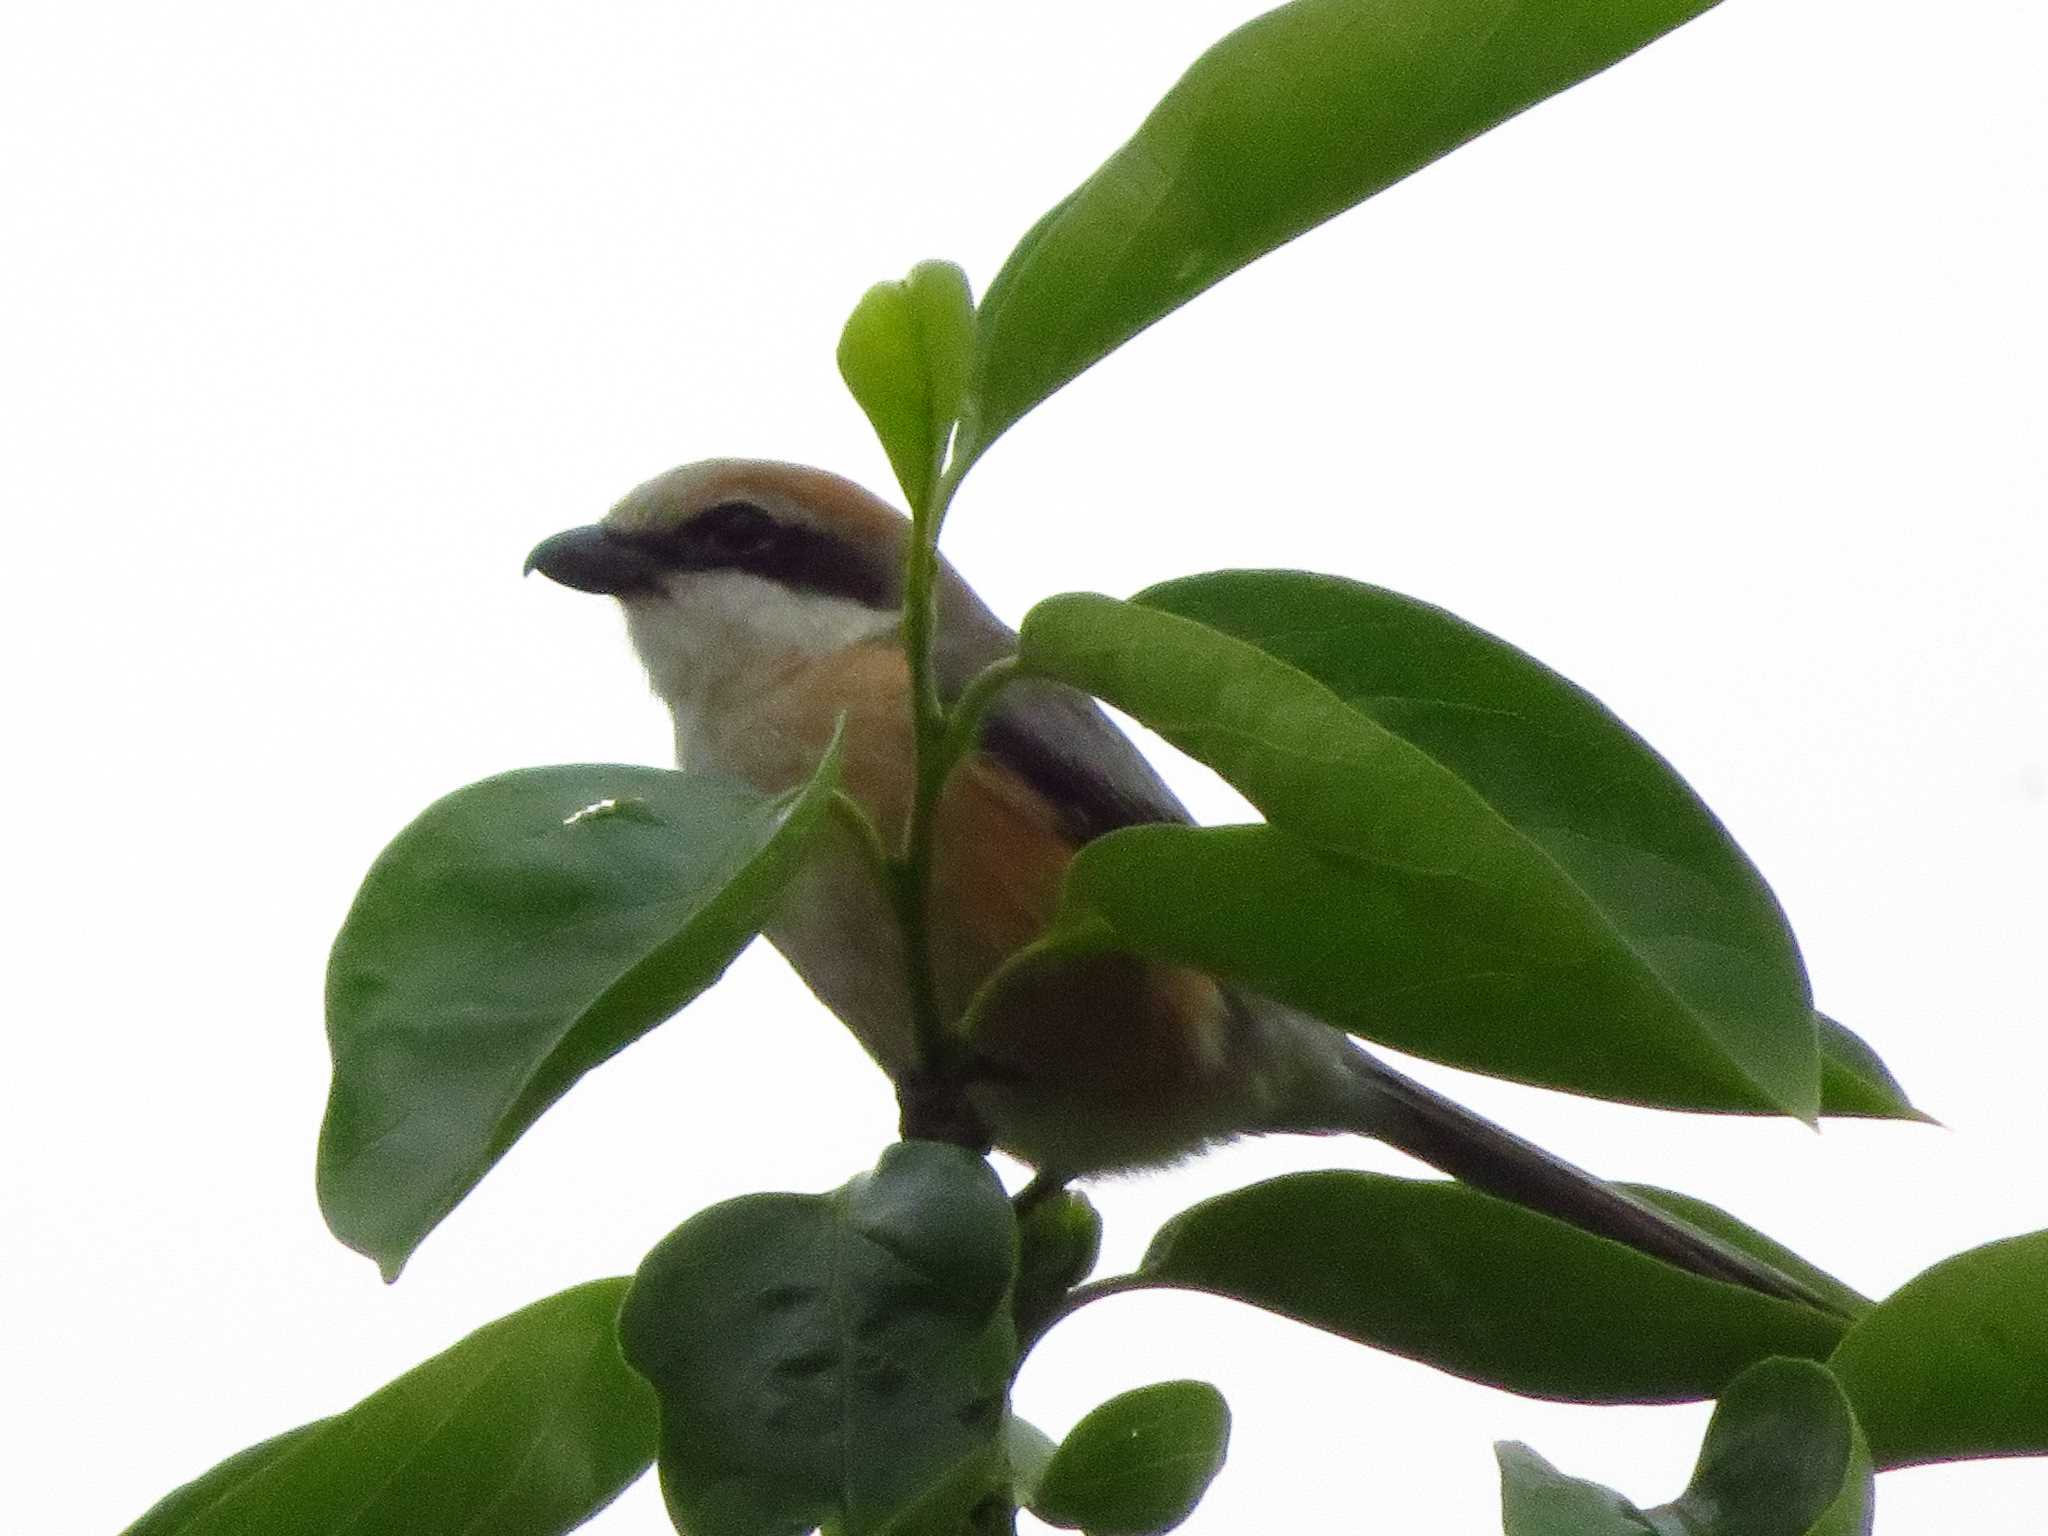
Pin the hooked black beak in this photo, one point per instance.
(594, 559)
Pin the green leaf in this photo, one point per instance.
(1739, 1235)
(1139, 1464)
(1548, 755)
(832, 1359)
(1782, 1457)
(1853, 1081)
(1954, 1363)
(975, 1498)
(519, 933)
(527, 1427)
(1438, 1272)
(1538, 1500)
(1469, 858)
(1286, 122)
(181, 1508)
(903, 354)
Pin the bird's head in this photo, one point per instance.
(731, 565)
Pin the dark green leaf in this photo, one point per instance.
(1508, 879)
(519, 933)
(527, 1427)
(1739, 1235)
(1441, 1273)
(1854, 1082)
(1538, 1500)
(1782, 1457)
(1954, 1363)
(1139, 1464)
(1284, 123)
(975, 1498)
(903, 354)
(832, 1359)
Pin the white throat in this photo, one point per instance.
(711, 636)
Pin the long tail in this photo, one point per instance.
(1396, 1109)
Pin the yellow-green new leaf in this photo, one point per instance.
(903, 354)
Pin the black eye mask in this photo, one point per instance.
(740, 536)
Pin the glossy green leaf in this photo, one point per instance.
(519, 933)
(903, 354)
(1550, 756)
(1395, 953)
(527, 1427)
(1438, 1272)
(1510, 881)
(1543, 752)
(1954, 1363)
(1286, 122)
(1431, 962)
(1538, 1500)
(1782, 1457)
(1739, 1235)
(832, 1359)
(1139, 1464)
(1853, 1081)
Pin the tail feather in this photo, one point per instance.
(1396, 1109)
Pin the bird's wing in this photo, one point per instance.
(1055, 738)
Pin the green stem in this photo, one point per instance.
(938, 1051)
(1079, 1297)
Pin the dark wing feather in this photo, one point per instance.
(1061, 743)
(1057, 739)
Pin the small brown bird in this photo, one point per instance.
(765, 600)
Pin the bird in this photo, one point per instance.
(765, 601)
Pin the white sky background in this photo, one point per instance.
(1716, 384)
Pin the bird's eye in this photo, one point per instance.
(733, 530)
